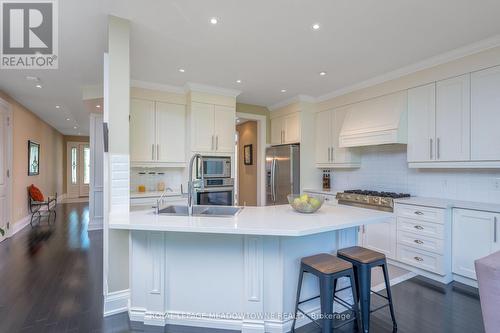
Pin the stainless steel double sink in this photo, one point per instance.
(215, 211)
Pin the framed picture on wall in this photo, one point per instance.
(33, 158)
(248, 154)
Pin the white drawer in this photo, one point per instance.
(430, 214)
(420, 227)
(422, 259)
(421, 242)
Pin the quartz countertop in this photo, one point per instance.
(450, 203)
(267, 221)
(153, 194)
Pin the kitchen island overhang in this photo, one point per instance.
(235, 273)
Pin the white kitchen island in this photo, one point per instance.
(231, 272)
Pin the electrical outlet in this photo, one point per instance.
(496, 184)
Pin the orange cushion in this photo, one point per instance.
(35, 193)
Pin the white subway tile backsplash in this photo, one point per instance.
(384, 168)
(150, 177)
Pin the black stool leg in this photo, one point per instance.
(389, 295)
(326, 292)
(355, 300)
(364, 289)
(299, 287)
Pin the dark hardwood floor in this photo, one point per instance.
(51, 281)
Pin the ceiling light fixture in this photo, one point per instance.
(182, 70)
(38, 86)
(98, 106)
(58, 106)
(214, 20)
(315, 26)
(283, 90)
(238, 81)
(322, 73)
(67, 119)
(74, 127)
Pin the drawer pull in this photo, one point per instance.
(418, 227)
(418, 259)
(418, 241)
(419, 213)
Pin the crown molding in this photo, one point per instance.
(291, 100)
(443, 58)
(157, 86)
(204, 88)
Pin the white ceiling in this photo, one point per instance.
(269, 45)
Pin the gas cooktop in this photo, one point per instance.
(370, 199)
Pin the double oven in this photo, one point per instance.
(215, 185)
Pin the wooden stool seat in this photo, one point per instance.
(361, 254)
(326, 263)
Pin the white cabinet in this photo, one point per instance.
(380, 237)
(475, 235)
(439, 121)
(212, 128)
(328, 152)
(286, 129)
(142, 130)
(485, 115)
(421, 123)
(453, 119)
(157, 133)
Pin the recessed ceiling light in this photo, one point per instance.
(67, 119)
(322, 73)
(315, 26)
(214, 20)
(38, 86)
(58, 106)
(74, 127)
(238, 81)
(182, 70)
(98, 106)
(283, 90)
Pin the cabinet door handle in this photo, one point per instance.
(419, 213)
(495, 229)
(329, 158)
(430, 148)
(419, 227)
(153, 151)
(212, 146)
(158, 151)
(216, 142)
(438, 148)
(418, 241)
(418, 259)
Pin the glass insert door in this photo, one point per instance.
(78, 169)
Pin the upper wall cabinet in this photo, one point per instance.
(328, 152)
(157, 133)
(212, 128)
(285, 129)
(485, 115)
(453, 123)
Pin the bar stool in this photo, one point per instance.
(328, 269)
(363, 261)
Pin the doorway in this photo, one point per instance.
(78, 169)
(5, 165)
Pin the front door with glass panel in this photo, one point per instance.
(78, 170)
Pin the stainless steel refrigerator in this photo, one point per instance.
(282, 173)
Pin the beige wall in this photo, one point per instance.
(66, 139)
(258, 110)
(247, 174)
(27, 126)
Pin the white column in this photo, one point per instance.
(116, 164)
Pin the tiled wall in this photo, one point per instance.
(384, 168)
(172, 177)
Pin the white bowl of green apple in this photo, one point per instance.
(306, 203)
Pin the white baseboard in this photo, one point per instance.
(19, 225)
(95, 224)
(116, 302)
(465, 280)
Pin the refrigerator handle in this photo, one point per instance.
(273, 179)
